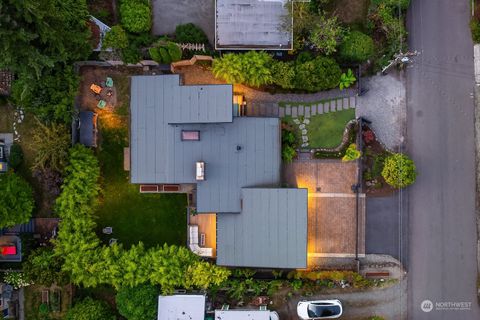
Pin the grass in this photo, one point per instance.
(326, 130)
(151, 218)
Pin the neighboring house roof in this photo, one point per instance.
(242, 153)
(253, 24)
(191, 307)
(271, 231)
(242, 314)
(88, 128)
(103, 28)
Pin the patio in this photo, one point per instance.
(207, 226)
(331, 207)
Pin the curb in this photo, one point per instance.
(476, 54)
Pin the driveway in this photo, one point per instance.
(442, 261)
(167, 14)
(386, 226)
(386, 302)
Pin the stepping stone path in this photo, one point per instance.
(18, 117)
(308, 110)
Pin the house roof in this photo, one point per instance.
(242, 315)
(252, 24)
(270, 232)
(181, 307)
(244, 152)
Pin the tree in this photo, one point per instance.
(50, 143)
(356, 47)
(204, 274)
(190, 33)
(50, 99)
(229, 68)
(44, 267)
(116, 38)
(318, 74)
(89, 309)
(399, 171)
(135, 15)
(138, 303)
(38, 35)
(16, 200)
(165, 52)
(326, 34)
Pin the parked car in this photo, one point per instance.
(320, 309)
(3, 157)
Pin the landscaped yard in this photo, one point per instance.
(326, 130)
(153, 219)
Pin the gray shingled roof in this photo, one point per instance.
(243, 153)
(255, 24)
(271, 231)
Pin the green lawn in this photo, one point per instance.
(326, 130)
(150, 218)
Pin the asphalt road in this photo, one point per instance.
(442, 234)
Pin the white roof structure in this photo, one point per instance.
(242, 315)
(181, 307)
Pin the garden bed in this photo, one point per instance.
(59, 300)
(374, 155)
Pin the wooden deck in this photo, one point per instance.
(207, 224)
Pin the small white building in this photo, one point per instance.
(245, 315)
(181, 307)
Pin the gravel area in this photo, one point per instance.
(385, 106)
(167, 14)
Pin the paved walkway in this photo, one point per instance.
(310, 109)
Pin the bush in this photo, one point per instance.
(326, 34)
(252, 68)
(135, 15)
(399, 171)
(318, 74)
(16, 200)
(351, 153)
(44, 268)
(116, 38)
(15, 159)
(347, 79)
(16, 279)
(165, 52)
(89, 309)
(190, 33)
(475, 29)
(394, 4)
(356, 47)
(138, 303)
(283, 74)
(50, 144)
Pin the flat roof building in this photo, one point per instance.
(181, 307)
(253, 24)
(188, 135)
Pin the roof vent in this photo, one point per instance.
(238, 148)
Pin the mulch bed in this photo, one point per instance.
(374, 154)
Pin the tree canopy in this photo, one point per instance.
(399, 171)
(16, 200)
(89, 309)
(138, 303)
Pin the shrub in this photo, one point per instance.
(288, 153)
(399, 171)
(347, 79)
(475, 29)
(395, 4)
(356, 47)
(283, 74)
(165, 52)
(326, 34)
(16, 200)
(351, 153)
(50, 143)
(131, 54)
(135, 15)
(89, 309)
(15, 159)
(116, 38)
(16, 279)
(190, 33)
(44, 267)
(138, 303)
(319, 74)
(252, 68)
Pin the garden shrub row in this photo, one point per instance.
(90, 264)
(259, 68)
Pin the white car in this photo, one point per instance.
(320, 309)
